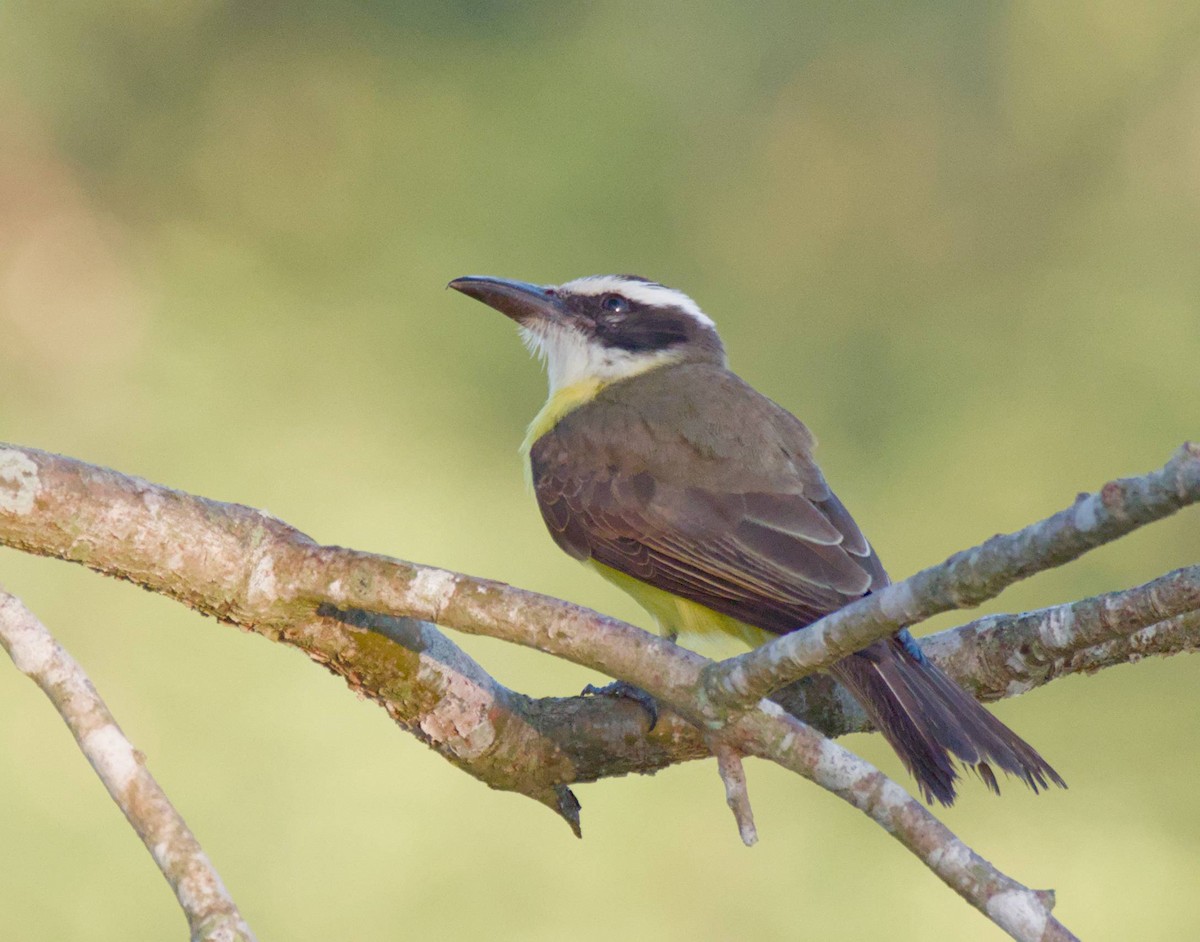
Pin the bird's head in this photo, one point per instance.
(601, 328)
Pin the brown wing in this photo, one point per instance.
(773, 547)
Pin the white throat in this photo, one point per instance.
(571, 359)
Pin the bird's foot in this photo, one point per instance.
(619, 688)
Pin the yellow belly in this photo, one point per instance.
(677, 616)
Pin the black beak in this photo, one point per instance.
(520, 300)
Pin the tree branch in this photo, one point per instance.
(211, 913)
(965, 579)
(250, 569)
(125, 527)
(1021, 912)
(1003, 655)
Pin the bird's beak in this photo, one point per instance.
(523, 302)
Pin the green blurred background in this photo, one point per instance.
(959, 240)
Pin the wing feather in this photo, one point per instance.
(683, 541)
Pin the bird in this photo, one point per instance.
(656, 465)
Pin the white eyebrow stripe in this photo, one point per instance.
(644, 292)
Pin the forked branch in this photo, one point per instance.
(245, 567)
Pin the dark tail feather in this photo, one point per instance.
(930, 721)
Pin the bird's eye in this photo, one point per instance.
(614, 304)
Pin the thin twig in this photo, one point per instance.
(965, 579)
(737, 795)
(211, 912)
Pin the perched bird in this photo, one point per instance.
(678, 482)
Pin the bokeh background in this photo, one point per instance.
(959, 240)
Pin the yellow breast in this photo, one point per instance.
(558, 405)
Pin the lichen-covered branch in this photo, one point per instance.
(211, 913)
(238, 564)
(535, 746)
(965, 579)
